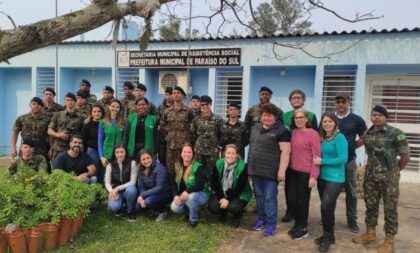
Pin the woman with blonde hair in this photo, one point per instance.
(190, 190)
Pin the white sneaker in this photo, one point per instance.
(161, 216)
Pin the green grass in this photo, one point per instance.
(102, 232)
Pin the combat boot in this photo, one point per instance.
(388, 246)
(366, 238)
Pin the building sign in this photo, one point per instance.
(179, 58)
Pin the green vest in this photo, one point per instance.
(288, 117)
(191, 179)
(113, 135)
(149, 125)
(246, 195)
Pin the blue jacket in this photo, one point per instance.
(156, 183)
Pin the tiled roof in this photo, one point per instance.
(310, 34)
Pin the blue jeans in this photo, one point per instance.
(129, 195)
(190, 207)
(265, 191)
(156, 202)
(100, 172)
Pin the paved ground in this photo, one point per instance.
(407, 240)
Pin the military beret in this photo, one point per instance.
(82, 94)
(180, 89)
(168, 90)
(206, 99)
(234, 104)
(109, 88)
(381, 109)
(342, 95)
(37, 100)
(264, 88)
(129, 85)
(86, 82)
(50, 90)
(29, 142)
(71, 95)
(141, 86)
(195, 97)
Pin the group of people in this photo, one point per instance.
(185, 157)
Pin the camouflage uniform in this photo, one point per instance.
(91, 99)
(162, 143)
(105, 103)
(205, 134)
(129, 104)
(84, 111)
(253, 116)
(34, 128)
(382, 174)
(177, 122)
(197, 112)
(233, 134)
(70, 122)
(50, 111)
(37, 163)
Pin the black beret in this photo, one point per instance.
(264, 88)
(37, 100)
(50, 90)
(71, 95)
(206, 99)
(141, 86)
(82, 94)
(234, 104)
(195, 97)
(86, 82)
(29, 142)
(168, 89)
(180, 89)
(381, 109)
(109, 88)
(129, 85)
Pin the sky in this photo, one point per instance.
(397, 14)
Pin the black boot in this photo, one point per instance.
(325, 244)
(318, 240)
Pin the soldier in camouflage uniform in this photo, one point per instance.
(63, 125)
(175, 122)
(383, 143)
(167, 102)
(82, 107)
(205, 134)
(195, 105)
(233, 130)
(33, 127)
(108, 95)
(140, 92)
(85, 86)
(129, 100)
(29, 159)
(50, 107)
(253, 114)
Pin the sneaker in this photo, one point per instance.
(258, 225)
(270, 231)
(318, 240)
(293, 230)
(286, 218)
(300, 233)
(118, 213)
(131, 217)
(352, 225)
(161, 216)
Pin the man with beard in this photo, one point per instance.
(76, 161)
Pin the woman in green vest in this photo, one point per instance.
(110, 132)
(141, 130)
(231, 189)
(190, 189)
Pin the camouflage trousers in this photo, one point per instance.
(389, 191)
(208, 162)
(171, 156)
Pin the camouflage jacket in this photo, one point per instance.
(253, 116)
(34, 128)
(50, 111)
(129, 104)
(205, 134)
(105, 103)
(92, 99)
(84, 111)
(37, 163)
(233, 134)
(161, 109)
(176, 122)
(382, 147)
(65, 122)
